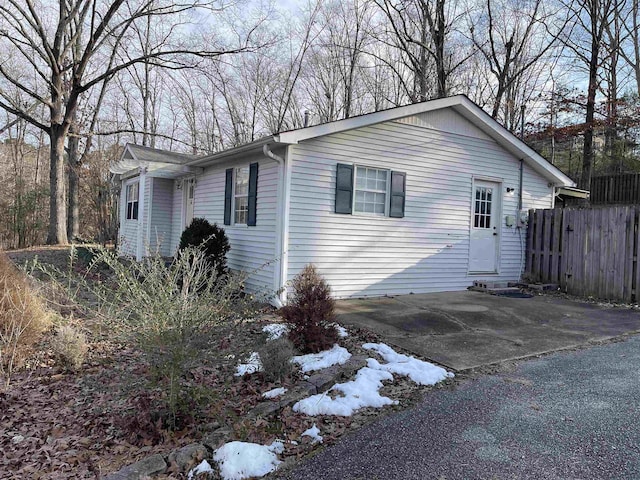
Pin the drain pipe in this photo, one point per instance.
(522, 112)
(282, 225)
(520, 186)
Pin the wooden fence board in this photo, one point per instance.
(589, 252)
(636, 256)
(628, 254)
(545, 267)
(556, 246)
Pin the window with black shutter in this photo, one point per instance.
(369, 191)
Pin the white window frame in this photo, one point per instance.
(236, 196)
(132, 202)
(387, 192)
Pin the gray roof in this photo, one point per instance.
(148, 154)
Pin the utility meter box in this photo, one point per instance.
(523, 218)
(510, 220)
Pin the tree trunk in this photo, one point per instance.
(439, 39)
(57, 204)
(73, 194)
(588, 153)
(73, 210)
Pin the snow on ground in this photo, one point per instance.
(342, 332)
(317, 361)
(238, 460)
(423, 373)
(363, 391)
(314, 433)
(275, 330)
(203, 467)
(358, 393)
(253, 365)
(276, 392)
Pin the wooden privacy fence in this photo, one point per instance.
(588, 252)
(621, 188)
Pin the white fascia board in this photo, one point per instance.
(295, 136)
(126, 162)
(483, 120)
(231, 154)
(462, 105)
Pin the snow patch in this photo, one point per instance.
(358, 393)
(317, 361)
(342, 332)
(253, 365)
(275, 330)
(363, 391)
(314, 433)
(203, 467)
(423, 373)
(276, 392)
(238, 460)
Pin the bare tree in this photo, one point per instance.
(512, 39)
(422, 30)
(586, 40)
(45, 37)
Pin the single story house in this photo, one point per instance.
(422, 198)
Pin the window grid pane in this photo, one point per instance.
(241, 195)
(482, 214)
(371, 190)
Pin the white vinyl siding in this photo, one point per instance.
(128, 235)
(428, 249)
(252, 248)
(177, 221)
(161, 207)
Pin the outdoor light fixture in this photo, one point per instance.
(510, 190)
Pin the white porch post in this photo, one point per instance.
(141, 214)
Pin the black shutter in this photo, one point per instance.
(396, 202)
(344, 188)
(228, 192)
(253, 194)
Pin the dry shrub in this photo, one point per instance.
(310, 312)
(69, 347)
(23, 319)
(275, 356)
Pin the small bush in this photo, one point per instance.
(211, 239)
(69, 347)
(170, 311)
(23, 319)
(275, 356)
(310, 312)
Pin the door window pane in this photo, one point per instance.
(482, 213)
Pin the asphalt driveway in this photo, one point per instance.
(463, 330)
(565, 416)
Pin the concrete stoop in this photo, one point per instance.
(496, 288)
(490, 286)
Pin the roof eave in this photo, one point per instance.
(231, 154)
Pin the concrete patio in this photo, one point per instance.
(463, 330)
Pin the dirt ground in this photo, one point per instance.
(56, 424)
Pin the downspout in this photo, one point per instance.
(522, 112)
(282, 226)
(520, 186)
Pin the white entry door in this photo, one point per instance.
(485, 227)
(189, 194)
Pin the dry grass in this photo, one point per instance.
(69, 347)
(23, 319)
